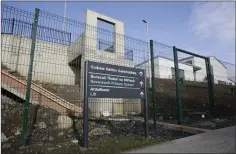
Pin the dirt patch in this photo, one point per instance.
(70, 93)
(193, 99)
(47, 137)
(43, 127)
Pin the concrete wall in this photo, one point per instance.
(200, 74)
(186, 60)
(163, 69)
(219, 71)
(76, 48)
(91, 31)
(50, 60)
(165, 66)
(51, 65)
(90, 52)
(231, 82)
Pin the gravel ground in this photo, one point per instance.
(48, 136)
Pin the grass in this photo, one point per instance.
(110, 145)
(120, 144)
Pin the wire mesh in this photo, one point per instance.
(62, 47)
(194, 86)
(166, 87)
(12, 82)
(225, 91)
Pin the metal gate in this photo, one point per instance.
(202, 72)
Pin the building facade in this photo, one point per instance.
(63, 63)
(190, 69)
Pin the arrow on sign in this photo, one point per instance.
(141, 83)
(141, 73)
(141, 94)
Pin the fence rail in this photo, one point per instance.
(109, 46)
(22, 28)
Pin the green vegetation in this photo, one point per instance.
(110, 145)
(116, 145)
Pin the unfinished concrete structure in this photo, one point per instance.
(64, 64)
(85, 48)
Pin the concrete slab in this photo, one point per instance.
(216, 141)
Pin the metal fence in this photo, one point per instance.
(42, 64)
(230, 72)
(49, 51)
(109, 46)
(21, 28)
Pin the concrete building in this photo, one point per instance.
(164, 68)
(190, 68)
(64, 63)
(85, 48)
(219, 70)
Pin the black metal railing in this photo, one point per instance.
(109, 46)
(22, 28)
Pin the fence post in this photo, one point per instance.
(153, 84)
(24, 133)
(178, 89)
(210, 80)
(85, 112)
(146, 106)
(70, 40)
(99, 45)
(12, 27)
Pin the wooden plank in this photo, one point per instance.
(188, 129)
